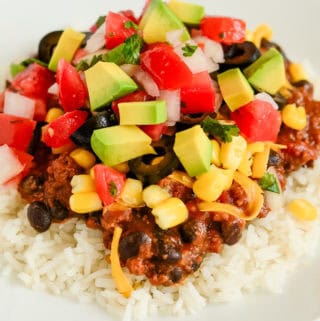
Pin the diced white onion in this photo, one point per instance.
(212, 49)
(197, 62)
(130, 69)
(174, 36)
(54, 89)
(267, 98)
(18, 105)
(10, 165)
(97, 40)
(146, 81)
(172, 99)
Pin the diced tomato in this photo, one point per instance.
(226, 30)
(154, 131)
(72, 91)
(25, 159)
(40, 109)
(16, 131)
(109, 183)
(80, 53)
(258, 121)
(138, 95)
(34, 81)
(117, 30)
(165, 67)
(58, 132)
(199, 95)
(130, 15)
(1, 101)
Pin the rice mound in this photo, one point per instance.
(69, 259)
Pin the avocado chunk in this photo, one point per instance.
(235, 89)
(188, 13)
(116, 144)
(68, 44)
(143, 112)
(268, 72)
(194, 150)
(106, 82)
(157, 20)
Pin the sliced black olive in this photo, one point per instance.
(151, 172)
(39, 216)
(58, 211)
(36, 137)
(240, 55)
(81, 136)
(129, 246)
(47, 45)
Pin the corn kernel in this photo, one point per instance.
(302, 210)
(294, 117)
(82, 184)
(297, 72)
(262, 31)
(249, 35)
(132, 192)
(53, 114)
(63, 149)
(210, 185)
(122, 167)
(260, 162)
(83, 158)
(256, 147)
(231, 153)
(245, 164)
(154, 194)
(170, 212)
(83, 203)
(215, 157)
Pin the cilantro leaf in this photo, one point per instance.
(113, 189)
(223, 131)
(188, 50)
(130, 24)
(100, 21)
(269, 183)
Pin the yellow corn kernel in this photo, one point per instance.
(83, 158)
(231, 153)
(215, 157)
(63, 149)
(183, 178)
(131, 193)
(297, 72)
(303, 210)
(249, 35)
(53, 114)
(154, 194)
(245, 164)
(262, 31)
(210, 185)
(82, 184)
(122, 167)
(294, 117)
(83, 203)
(170, 212)
(260, 162)
(256, 147)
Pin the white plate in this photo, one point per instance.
(296, 26)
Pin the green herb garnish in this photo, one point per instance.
(130, 24)
(100, 21)
(223, 131)
(188, 50)
(17, 68)
(269, 183)
(113, 188)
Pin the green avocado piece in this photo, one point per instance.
(235, 89)
(157, 20)
(189, 13)
(116, 144)
(106, 82)
(268, 72)
(68, 44)
(194, 150)
(143, 112)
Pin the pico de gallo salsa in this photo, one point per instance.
(165, 131)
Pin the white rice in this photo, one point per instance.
(69, 259)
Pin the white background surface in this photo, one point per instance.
(296, 26)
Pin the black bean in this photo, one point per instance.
(274, 159)
(39, 216)
(130, 245)
(175, 275)
(231, 232)
(188, 232)
(58, 211)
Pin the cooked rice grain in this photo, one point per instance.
(69, 259)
